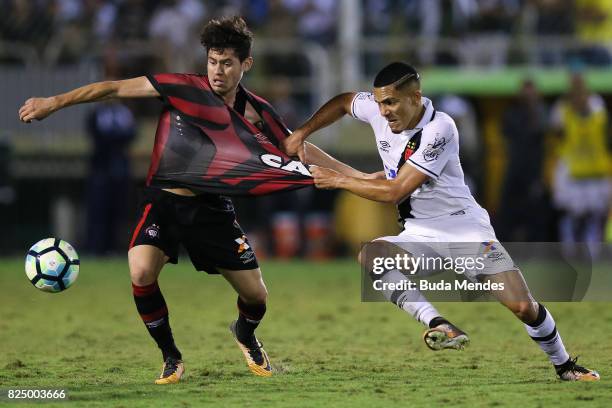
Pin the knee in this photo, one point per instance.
(142, 274)
(361, 258)
(258, 296)
(370, 250)
(526, 311)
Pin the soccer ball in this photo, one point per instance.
(52, 265)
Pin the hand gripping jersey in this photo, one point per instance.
(209, 147)
(432, 147)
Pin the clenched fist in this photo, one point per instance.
(36, 108)
(293, 145)
(327, 179)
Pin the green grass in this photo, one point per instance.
(331, 350)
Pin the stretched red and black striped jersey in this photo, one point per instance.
(209, 147)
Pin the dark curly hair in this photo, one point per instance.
(228, 33)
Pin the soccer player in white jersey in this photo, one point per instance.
(419, 149)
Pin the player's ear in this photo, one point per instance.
(416, 97)
(247, 64)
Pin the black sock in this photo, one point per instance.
(154, 313)
(249, 317)
(436, 321)
(563, 367)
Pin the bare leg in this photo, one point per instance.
(252, 296)
(516, 295)
(146, 263)
(248, 284)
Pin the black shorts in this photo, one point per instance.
(205, 225)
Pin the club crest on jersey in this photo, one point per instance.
(411, 146)
(275, 161)
(433, 150)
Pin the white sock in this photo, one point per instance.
(411, 301)
(545, 334)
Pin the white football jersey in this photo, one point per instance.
(432, 147)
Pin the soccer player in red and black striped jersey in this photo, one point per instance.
(205, 118)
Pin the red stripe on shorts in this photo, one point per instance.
(139, 226)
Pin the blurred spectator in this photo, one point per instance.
(285, 23)
(7, 194)
(392, 17)
(26, 22)
(377, 15)
(443, 19)
(490, 33)
(81, 27)
(594, 27)
(174, 28)
(279, 93)
(582, 185)
(112, 128)
(256, 12)
(101, 15)
(71, 35)
(523, 204)
(553, 18)
(132, 21)
(290, 64)
(316, 19)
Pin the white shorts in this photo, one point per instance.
(580, 196)
(466, 234)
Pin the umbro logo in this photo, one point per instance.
(384, 146)
(245, 251)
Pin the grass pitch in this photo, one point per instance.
(330, 349)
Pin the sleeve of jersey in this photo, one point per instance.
(164, 84)
(364, 107)
(438, 144)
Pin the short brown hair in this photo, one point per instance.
(228, 33)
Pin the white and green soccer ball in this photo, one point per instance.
(52, 265)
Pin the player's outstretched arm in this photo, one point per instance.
(386, 191)
(40, 108)
(318, 157)
(329, 113)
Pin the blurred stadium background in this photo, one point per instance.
(475, 57)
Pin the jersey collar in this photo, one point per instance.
(428, 115)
